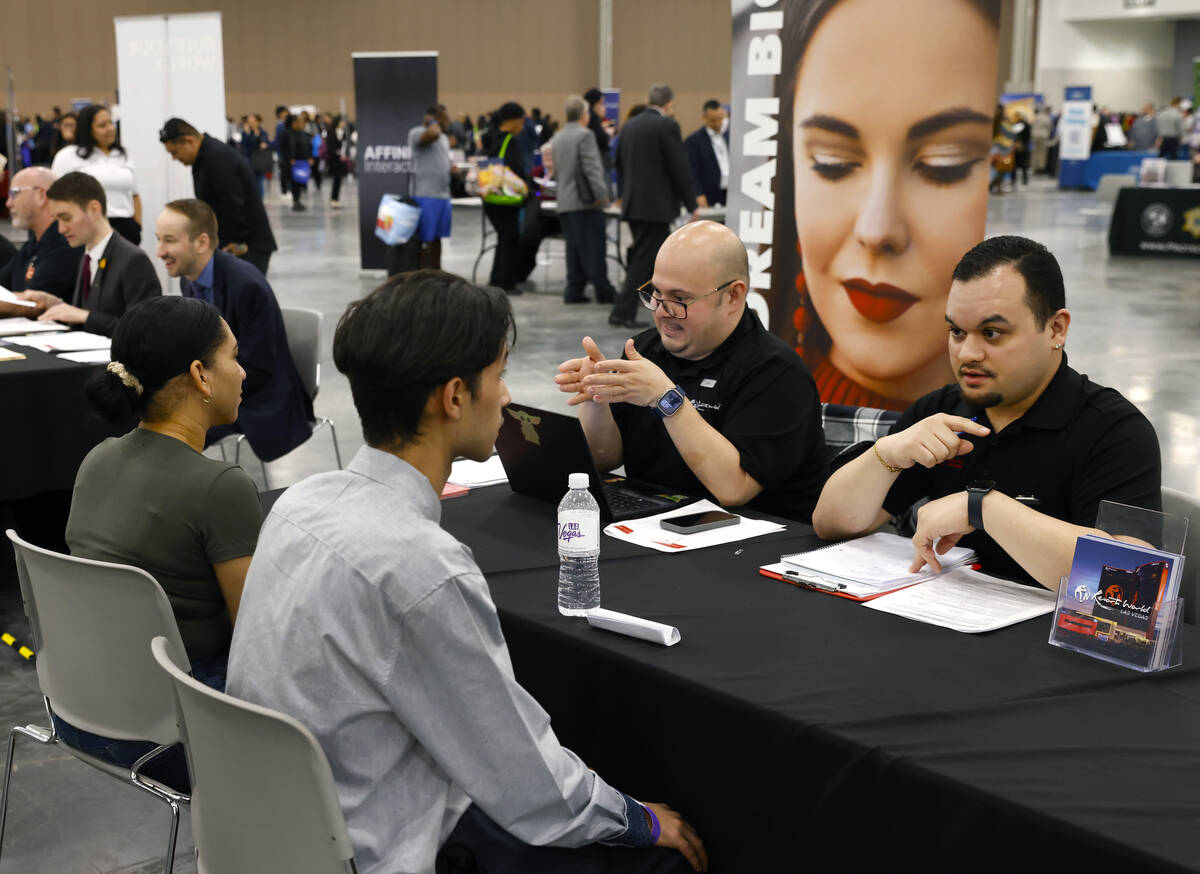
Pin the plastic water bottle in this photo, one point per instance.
(578, 549)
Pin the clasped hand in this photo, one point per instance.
(630, 380)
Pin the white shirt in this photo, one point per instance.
(113, 171)
(95, 253)
(721, 150)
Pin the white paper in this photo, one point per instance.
(875, 563)
(465, 472)
(647, 532)
(90, 356)
(21, 325)
(633, 626)
(968, 601)
(7, 354)
(76, 341)
(7, 296)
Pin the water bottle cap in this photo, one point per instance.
(578, 480)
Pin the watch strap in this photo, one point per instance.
(975, 507)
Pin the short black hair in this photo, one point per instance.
(711, 104)
(411, 335)
(79, 189)
(176, 129)
(155, 341)
(1044, 290)
(511, 110)
(592, 95)
(280, 108)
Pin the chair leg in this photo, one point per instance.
(12, 741)
(170, 863)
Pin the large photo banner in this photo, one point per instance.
(392, 90)
(861, 135)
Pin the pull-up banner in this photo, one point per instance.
(392, 90)
(861, 137)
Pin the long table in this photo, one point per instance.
(796, 730)
(49, 425)
(1156, 220)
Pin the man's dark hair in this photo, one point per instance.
(411, 335)
(511, 110)
(176, 129)
(280, 108)
(155, 341)
(592, 95)
(710, 105)
(79, 189)
(1044, 291)
(432, 111)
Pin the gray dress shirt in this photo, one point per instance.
(375, 628)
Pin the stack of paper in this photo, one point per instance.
(864, 567)
(968, 601)
(465, 472)
(70, 341)
(20, 325)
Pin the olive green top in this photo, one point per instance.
(153, 502)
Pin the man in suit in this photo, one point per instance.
(582, 194)
(276, 413)
(46, 263)
(114, 274)
(708, 156)
(224, 181)
(653, 175)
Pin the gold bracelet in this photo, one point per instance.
(889, 467)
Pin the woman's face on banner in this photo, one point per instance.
(893, 113)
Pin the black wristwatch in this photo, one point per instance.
(975, 494)
(670, 402)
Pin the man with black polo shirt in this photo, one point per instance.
(707, 401)
(46, 263)
(1017, 456)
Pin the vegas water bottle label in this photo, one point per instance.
(578, 531)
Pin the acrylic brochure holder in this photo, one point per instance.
(1121, 603)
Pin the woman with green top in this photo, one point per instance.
(150, 498)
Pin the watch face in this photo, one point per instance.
(670, 402)
(981, 485)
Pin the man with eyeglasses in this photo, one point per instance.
(46, 262)
(707, 401)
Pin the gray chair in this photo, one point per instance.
(263, 796)
(303, 330)
(92, 623)
(1178, 503)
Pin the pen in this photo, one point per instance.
(810, 583)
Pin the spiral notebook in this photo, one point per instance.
(861, 569)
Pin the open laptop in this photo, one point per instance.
(540, 449)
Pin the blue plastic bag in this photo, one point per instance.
(397, 220)
(301, 172)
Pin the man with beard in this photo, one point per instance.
(1017, 455)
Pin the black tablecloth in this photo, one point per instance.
(796, 729)
(49, 425)
(1156, 221)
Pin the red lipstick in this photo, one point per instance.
(878, 302)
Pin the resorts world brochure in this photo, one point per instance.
(1113, 600)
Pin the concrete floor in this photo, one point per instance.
(1135, 327)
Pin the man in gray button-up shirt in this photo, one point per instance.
(375, 628)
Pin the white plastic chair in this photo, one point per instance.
(1180, 503)
(92, 623)
(263, 796)
(303, 329)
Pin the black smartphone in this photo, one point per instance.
(694, 522)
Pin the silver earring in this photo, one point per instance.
(207, 399)
(1057, 346)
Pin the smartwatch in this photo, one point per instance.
(670, 402)
(975, 493)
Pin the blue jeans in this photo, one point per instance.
(169, 768)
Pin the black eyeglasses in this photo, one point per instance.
(675, 309)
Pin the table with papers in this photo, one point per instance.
(788, 725)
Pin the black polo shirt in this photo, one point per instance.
(45, 264)
(756, 391)
(1079, 444)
